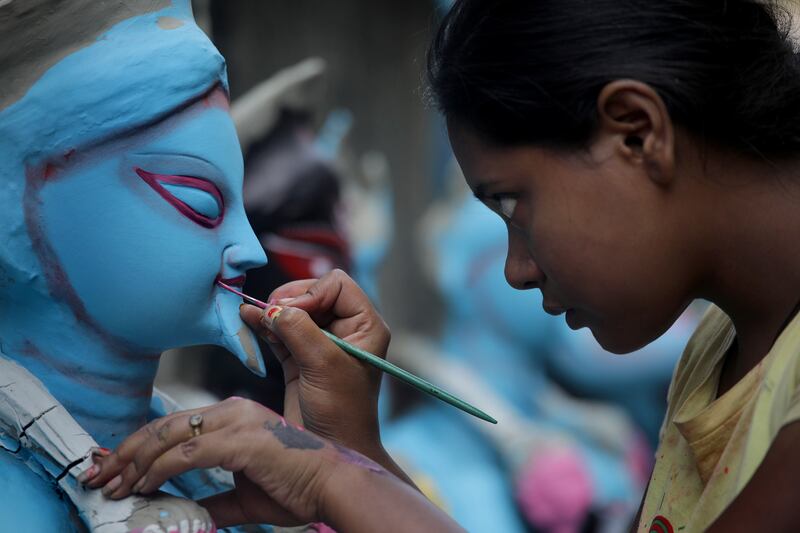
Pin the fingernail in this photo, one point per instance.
(88, 474)
(112, 485)
(102, 452)
(270, 315)
(285, 301)
(139, 485)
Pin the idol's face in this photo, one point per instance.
(133, 234)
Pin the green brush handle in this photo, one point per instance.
(408, 377)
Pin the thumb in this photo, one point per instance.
(304, 339)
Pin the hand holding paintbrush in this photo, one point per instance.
(271, 313)
(328, 391)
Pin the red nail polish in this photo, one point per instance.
(271, 315)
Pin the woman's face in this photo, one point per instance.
(588, 229)
(133, 234)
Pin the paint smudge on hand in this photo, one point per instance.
(292, 437)
(356, 459)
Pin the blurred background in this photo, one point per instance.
(347, 167)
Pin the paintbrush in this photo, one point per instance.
(383, 365)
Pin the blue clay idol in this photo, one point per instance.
(120, 206)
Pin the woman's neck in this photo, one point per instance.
(105, 388)
(752, 238)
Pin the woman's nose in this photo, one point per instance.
(521, 270)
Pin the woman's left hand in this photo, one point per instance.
(279, 470)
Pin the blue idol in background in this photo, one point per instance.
(120, 205)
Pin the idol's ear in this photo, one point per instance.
(635, 116)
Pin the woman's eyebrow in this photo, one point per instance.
(481, 189)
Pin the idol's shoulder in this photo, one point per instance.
(30, 502)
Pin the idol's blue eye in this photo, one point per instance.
(199, 200)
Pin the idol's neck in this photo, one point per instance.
(106, 388)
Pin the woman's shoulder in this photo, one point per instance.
(703, 350)
(30, 502)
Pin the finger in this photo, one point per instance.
(310, 348)
(252, 317)
(335, 295)
(293, 289)
(291, 403)
(113, 464)
(338, 303)
(208, 450)
(123, 468)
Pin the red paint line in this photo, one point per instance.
(248, 299)
(155, 181)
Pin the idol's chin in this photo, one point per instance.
(236, 337)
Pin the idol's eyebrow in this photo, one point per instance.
(190, 163)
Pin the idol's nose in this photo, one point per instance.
(245, 254)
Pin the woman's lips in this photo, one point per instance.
(554, 310)
(238, 281)
(572, 320)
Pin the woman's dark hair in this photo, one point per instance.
(530, 71)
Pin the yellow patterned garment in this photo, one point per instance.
(709, 449)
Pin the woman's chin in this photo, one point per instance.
(618, 342)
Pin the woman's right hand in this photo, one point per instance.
(328, 391)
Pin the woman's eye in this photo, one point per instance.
(507, 205)
(197, 199)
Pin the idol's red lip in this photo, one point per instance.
(238, 281)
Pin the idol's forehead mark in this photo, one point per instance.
(22, 22)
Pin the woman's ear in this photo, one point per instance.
(636, 119)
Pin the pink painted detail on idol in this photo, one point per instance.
(57, 280)
(155, 181)
(319, 527)
(238, 281)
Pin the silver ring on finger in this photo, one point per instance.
(196, 423)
